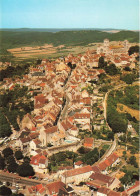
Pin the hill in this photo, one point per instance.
(11, 39)
(56, 30)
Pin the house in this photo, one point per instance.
(40, 100)
(85, 93)
(23, 143)
(78, 164)
(65, 125)
(39, 162)
(73, 131)
(81, 118)
(99, 179)
(77, 175)
(28, 122)
(58, 188)
(134, 188)
(103, 191)
(46, 136)
(34, 145)
(39, 190)
(88, 142)
(110, 161)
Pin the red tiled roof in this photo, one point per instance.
(78, 163)
(66, 124)
(88, 142)
(51, 129)
(108, 162)
(81, 116)
(137, 183)
(104, 190)
(37, 141)
(96, 169)
(35, 160)
(78, 171)
(102, 177)
(114, 193)
(54, 187)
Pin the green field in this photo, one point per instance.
(11, 39)
(69, 39)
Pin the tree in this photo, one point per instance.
(2, 162)
(70, 65)
(127, 69)
(132, 161)
(18, 155)
(5, 191)
(129, 78)
(12, 167)
(25, 169)
(110, 135)
(102, 63)
(26, 159)
(10, 159)
(7, 152)
(111, 69)
(133, 49)
(5, 129)
(81, 150)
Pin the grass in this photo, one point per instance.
(123, 108)
(11, 39)
(131, 168)
(105, 147)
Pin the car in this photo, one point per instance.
(5, 170)
(50, 180)
(33, 177)
(45, 179)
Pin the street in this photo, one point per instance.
(8, 177)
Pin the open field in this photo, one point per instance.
(123, 109)
(49, 51)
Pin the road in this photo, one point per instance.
(5, 177)
(63, 113)
(108, 152)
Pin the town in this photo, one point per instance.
(67, 127)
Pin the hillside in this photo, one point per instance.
(11, 39)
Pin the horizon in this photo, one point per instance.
(60, 14)
(71, 28)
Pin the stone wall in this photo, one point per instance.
(70, 147)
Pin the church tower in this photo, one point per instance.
(106, 43)
(126, 44)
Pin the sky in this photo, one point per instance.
(116, 14)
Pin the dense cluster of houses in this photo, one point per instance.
(63, 105)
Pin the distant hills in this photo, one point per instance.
(54, 30)
(11, 38)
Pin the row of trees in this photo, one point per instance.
(92, 156)
(7, 192)
(11, 71)
(8, 161)
(128, 78)
(110, 69)
(5, 129)
(14, 105)
(117, 121)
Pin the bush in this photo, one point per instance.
(5, 191)
(25, 170)
(18, 155)
(129, 78)
(7, 152)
